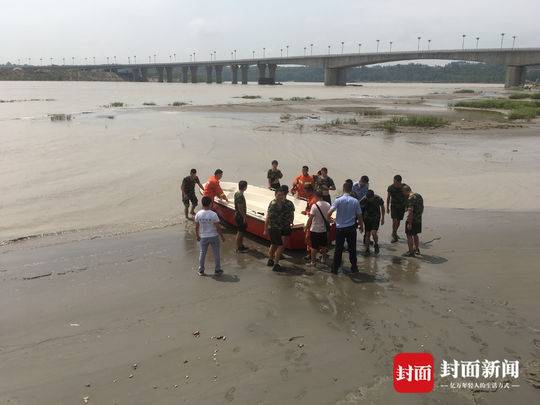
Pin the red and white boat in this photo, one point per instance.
(257, 200)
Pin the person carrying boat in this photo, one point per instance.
(273, 176)
(317, 227)
(213, 189)
(301, 181)
(188, 191)
(360, 188)
(324, 184)
(240, 216)
(288, 216)
(273, 227)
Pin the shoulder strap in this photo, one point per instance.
(326, 224)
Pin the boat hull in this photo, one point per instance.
(255, 226)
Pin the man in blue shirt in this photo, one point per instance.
(348, 215)
(359, 189)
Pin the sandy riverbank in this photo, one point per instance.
(110, 303)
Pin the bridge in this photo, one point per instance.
(335, 65)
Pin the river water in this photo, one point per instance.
(120, 168)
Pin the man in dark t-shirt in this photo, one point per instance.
(413, 225)
(240, 216)
(188, 191)
(395, 205)
(373, 214)
(273, 176)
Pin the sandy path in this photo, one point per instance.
(112, 302)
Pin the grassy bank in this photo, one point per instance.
(420, 121)
(518, 109)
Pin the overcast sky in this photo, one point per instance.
(88, 28)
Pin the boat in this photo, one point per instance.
(257, 201)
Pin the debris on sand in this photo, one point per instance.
(220, 337)
(295, 337)
(86, 399)
(196, 333)
(60, 117)
(38, 276)
(135, 366)
(300, 345)
(130, 376)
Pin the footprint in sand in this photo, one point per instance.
(284, 374)
(229, 396)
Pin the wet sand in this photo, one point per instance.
(79, 314)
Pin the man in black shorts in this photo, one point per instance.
(273, 228)
(373, 215)
(288, 215)
(188, 191)
(415, 209)
(240, 216)
(395, 205)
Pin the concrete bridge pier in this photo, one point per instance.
(262, 72)
(193, 70)
(169, 74)
(144, 74)
(335, 76)
(209, 74)
(219, 74)
(234, 73)
(135, 76)
(272, 73)
(185, 74)
(515, 76)
(244, 70)
(160, 74)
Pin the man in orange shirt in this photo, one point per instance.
(300, 182)
(213, 189)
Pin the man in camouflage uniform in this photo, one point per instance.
(273, 227)
(288, 216)
(395, 205)
(415, 208)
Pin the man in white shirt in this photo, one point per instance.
(318, 227)
(208, 231)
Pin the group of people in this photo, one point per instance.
(358, 207)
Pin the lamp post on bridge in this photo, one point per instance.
(477, 41)
(329, 49)
(429, 44)
(64, 61)
(378, 46)
(73, 59)
(134, 58)
(129, 60)
(311, 49)
(51, 61)
(215, 53)
(513, 41)
(305, 50)
(253, 54)
(342, 47)
(149, 59)
(194, 55)
(390, 48)
(463, 41)
(281, 53)
(264, 52)
(154, 58)
(85, 60)
(115, 59)
(232, 55)
(287, 47)
(502, 38)
(235, 54)
(419, 38)
(108, 60)
(359, 47)
(94, 59)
